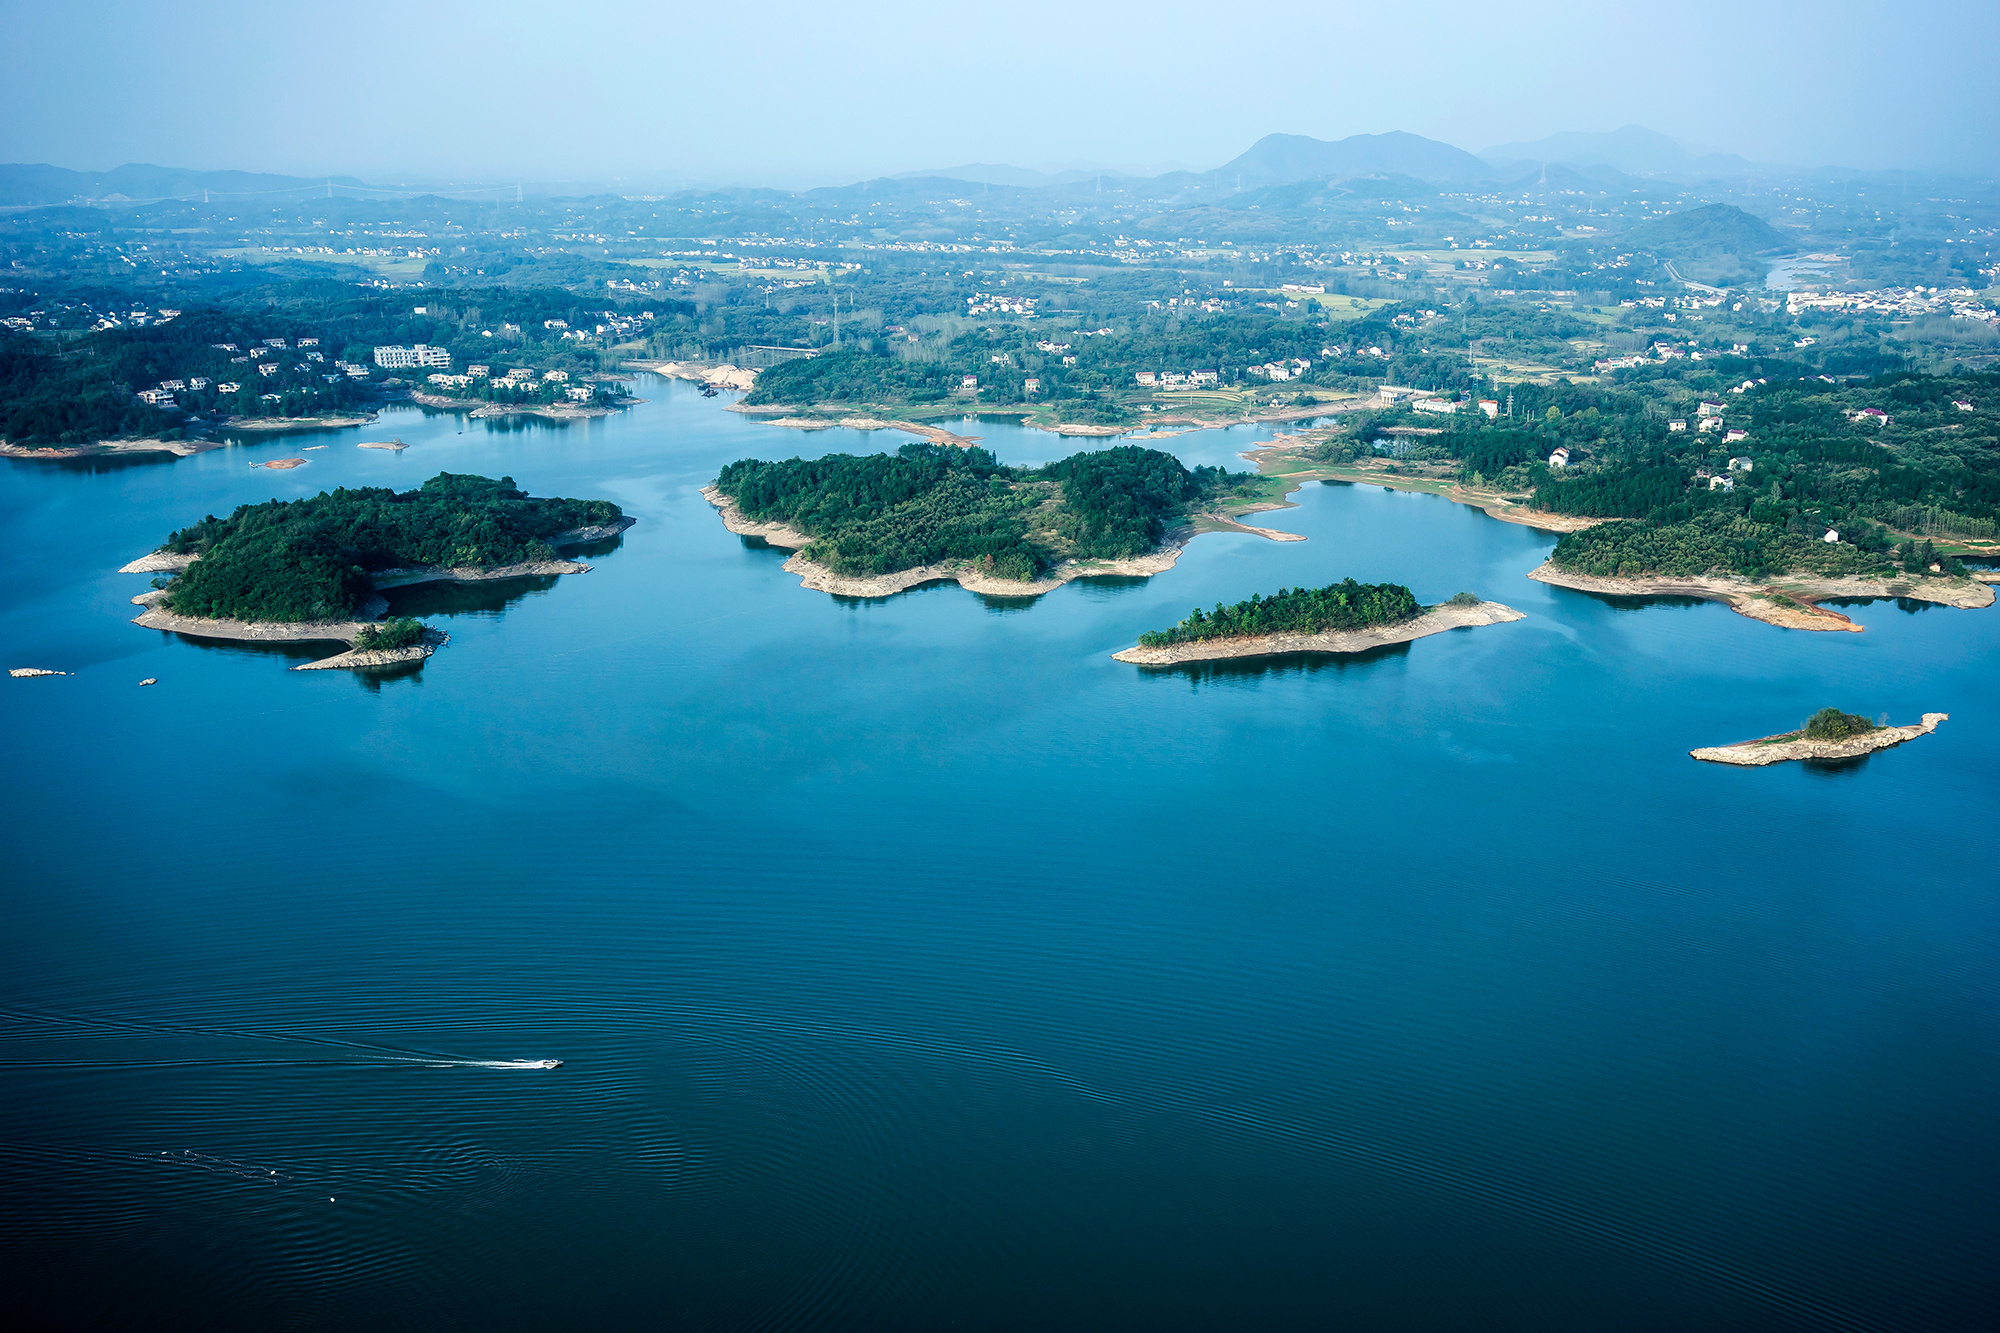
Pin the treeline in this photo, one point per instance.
(927, 504)
(879, 513)
(310, 559)
(1338, 606)
(1723, 542)
(50, 399)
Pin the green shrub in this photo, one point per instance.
(1830, 724)
(398, 632)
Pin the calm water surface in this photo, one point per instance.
(914, 965)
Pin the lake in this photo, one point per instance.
(913, 964)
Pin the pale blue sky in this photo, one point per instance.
(789, 93)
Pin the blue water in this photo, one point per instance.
(915, 965)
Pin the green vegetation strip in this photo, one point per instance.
(1338, 606)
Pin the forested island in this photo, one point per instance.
(311, 569)
(1344, 617)
(872, 524)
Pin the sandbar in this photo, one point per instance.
(1435, 620)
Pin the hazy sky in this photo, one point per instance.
(784, 93)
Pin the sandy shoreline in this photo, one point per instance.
(821, 579)
(479, 409)
(1755, 754)
(1785, 602)
(178, 448)
(1434, 621)
(277, 424)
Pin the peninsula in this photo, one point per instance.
(1788, 601)
(312, 570)
(1828, 735)
(1345, 617)
(875, 525)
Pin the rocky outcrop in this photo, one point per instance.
(1780, 749)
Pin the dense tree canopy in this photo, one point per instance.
(1338, 606)
(310, 559)
(928, 503)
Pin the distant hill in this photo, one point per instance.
(39, 183)
(1279, 158)
(1561, 176)
(1634, 149)
(1718, 244)
(1713, 230)
(995, 173)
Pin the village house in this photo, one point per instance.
(1740, 464)
(554, 376)
(1678, 423)
(1205, 377)
(1491, 407)
(580, 393)
(1732, 436)
(1560, 457)
(1145, 377)
(1031, 385)
(1722, 483)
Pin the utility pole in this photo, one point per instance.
(836, 319)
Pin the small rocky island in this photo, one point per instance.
(1345, 617)
(1827, 735)
(869, 526)
(313, 570)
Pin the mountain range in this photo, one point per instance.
(23, 184)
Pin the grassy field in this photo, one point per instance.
(384, 266)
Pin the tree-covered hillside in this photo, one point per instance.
(927, 504)
(1338, 606)
(295, 560)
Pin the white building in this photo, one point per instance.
(1560, 458)
(423, 354)
(1722, 483)
(1741, 465)
(1440, 405)
(1832, 535)
(1678, 423)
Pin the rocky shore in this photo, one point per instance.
(1436, 620)
(1780, 749)
(355, 658)
(1789, 602)
(102, 448)
(968, 576)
